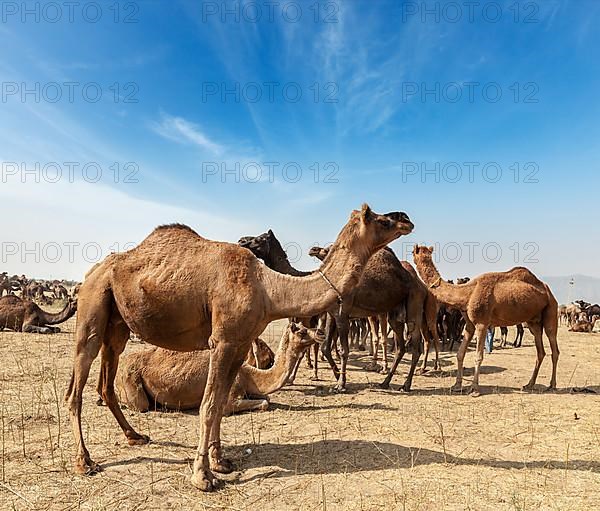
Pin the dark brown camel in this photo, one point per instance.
(385, 288)
(26, 316)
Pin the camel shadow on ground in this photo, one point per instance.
(350, 456)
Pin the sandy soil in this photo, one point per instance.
(367, 449)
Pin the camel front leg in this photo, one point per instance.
(460, 356)
(481, 331)
(384, 331)
(342, 324)
(414, 334)
(374, 324)
(225, 362)
(328, 344)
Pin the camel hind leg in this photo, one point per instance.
(92, 319)
(536, 330)
(550, 324)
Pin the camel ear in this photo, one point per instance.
(416, 249)
(430, 249)
(366, 213)
(270, 232)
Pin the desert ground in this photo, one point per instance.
(367, 449)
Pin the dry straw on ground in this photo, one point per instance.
(368, 449)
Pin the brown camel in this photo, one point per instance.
(573, 312)
(26, 316)
(176, 380)
(583, 326)
(501, 299)
(177, 290)
(386, 289)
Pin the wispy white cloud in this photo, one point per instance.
(183, 131)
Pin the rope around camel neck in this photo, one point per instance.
(339, 295)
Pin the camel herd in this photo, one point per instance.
(202, 305)
(579, 316)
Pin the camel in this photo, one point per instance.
(60, 292)
(562, 314)
(498, 298)
(176, 380)
(583, 326)
(573, 312)
(179, 291)
(387, 287)
(26, 316)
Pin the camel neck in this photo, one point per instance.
(311, 295)
(265, 381)
(449, 294)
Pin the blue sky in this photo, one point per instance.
(363, 119)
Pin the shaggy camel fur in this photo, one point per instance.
(499, 298)
(176, 380)
(26, 316)
(177, 290)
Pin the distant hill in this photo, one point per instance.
(584, 287)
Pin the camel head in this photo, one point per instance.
(374, 231)
(422, 254)
(319, 252)
(302, 337)
(259, 245)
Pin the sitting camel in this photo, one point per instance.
(26, 316)
(583, 326)
(176, 380)
(498, 298)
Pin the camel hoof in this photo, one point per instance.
(527, 388)
(404, 390)
(203, 480)
(384, 370)
(137, 439)
(339, 389)
(456, 389)
(87, 467)
(361, 347)
(474, 393)
(263, 407)
(310, 366)
(222, 466)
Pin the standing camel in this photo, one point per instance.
(385, 288)
(179, 291)
(500, 299)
